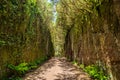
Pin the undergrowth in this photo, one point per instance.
(20, 69)
(95, 71)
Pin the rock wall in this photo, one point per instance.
(23, 35)
(97, 38)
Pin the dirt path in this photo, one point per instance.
(57, 69)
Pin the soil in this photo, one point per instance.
(57, 69)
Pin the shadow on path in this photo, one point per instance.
(57, 69)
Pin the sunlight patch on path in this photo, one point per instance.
(57, 69)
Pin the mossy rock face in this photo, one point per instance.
(94, 37)
(23, 37)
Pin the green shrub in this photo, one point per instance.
(22, 68)
(96, 72)
(19, 69)
(32, 65)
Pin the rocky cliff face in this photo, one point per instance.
(23, 35)
(97, 39)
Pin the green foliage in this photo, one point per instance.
(82, 66)
(2, 43)
(32, 65)
(22, 68)
(13, 14)
(19, 69)
(37, 62)
(96, 72)
(74, 63)
(24, 28)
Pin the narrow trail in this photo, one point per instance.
(57, 69)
